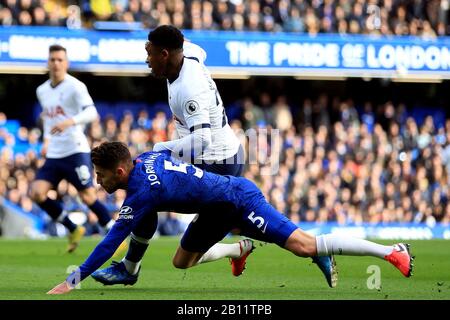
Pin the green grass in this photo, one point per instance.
(29, 269)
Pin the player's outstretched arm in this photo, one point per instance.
(61, 288)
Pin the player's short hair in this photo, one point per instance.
(109, 155)
(56, 47)
(166, 37)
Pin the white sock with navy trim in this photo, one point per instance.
(137, 248)
(221, 250)
(329, 244)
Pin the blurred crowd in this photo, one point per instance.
(328, 160)
(398, 17)
(339, 164)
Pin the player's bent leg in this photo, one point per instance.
(55, 210)
(39, 190)
(265, 223)
(398, 255)
(89, 197)
(236, 252)
(199, 243)
(303, 244)
(127, 271)
(184, 259)
(136, 250)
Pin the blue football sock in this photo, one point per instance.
(136, 250)
(52, 207)
(68, 223)
(101, 212)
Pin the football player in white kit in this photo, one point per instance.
(205, 139)
(67, 107)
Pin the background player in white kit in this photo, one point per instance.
(67, 107)
(204, 139)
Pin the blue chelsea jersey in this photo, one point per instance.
(169, 184)
(159, 182)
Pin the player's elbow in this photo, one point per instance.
(206, 138)
(88, 115)
(201, 140)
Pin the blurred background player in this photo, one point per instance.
(155, 181)
(67, 108)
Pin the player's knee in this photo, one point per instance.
(88, 196)
(37, 194)
(180, 264)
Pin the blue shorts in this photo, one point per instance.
(258, 219)
(232, 166)
(76, 169)
(252, 214)
(265, 223)
(211, 227)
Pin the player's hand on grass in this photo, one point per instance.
(61, 288)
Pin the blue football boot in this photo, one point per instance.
(327, 265)
(115, 274)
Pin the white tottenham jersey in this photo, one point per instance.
(64, 101)
(196, 103)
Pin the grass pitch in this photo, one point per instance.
(29, 269)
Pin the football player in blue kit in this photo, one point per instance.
(156, 181)
(204, 138)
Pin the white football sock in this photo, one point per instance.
(132, 267)
(221, 250)
(328, 244)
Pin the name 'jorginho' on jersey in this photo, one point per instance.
(196, 103)
(160, 182)
(58, 103)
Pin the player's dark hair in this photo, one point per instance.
(109, 155)
(166, 37)
(56, 47)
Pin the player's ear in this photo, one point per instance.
(120, 171)
(165, 53)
